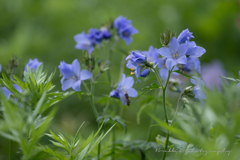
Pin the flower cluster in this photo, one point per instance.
(181, 50)
(73, 75)
(125, 29)
(87, 41)
(92, 38)
(124, 90)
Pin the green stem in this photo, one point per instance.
(10, 149)
(165, 112)
(113, 145)
(92, 100)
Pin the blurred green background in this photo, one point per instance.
(44, 29)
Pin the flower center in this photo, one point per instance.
(175, 55)
(132, 71)
(126, 33)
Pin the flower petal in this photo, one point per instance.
(85, 74)
(77, 85)
(196, 51)
(170, 63)
(164, 73)
(122, 98)
(165, 52)
(238, 85)
(182, 60)
(127, 83)
(182, 50)
(76, 67)
(132, 92)
(173, 45)
(67, 84)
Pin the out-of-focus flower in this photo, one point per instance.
(125, 29)
(175, 53)
(33, 64)
(114, 94)
(95, 35)
(7, 93)
(137, 57)
(0, 67)
(145, 72)
(152, 55)
(199, 84)
(135, 68)
(125, 87)
(73, 75)
(84, 43)
(106, 34)
(184, 36)
(191, 66)
(210, 74)
(238, 86)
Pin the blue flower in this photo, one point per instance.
(95, 35)
(114, 94)
(152, 55)
(84, 43)
(163, 71)
(175, 53)
(72, 75)
(199, 84)
(125, 87)
(125, 29)
(33, 64)
(137, 57)
(135, 68)
(145, 72)
(210, 74)
(238, 86)
(184, 36)
(7, 93)
(106, 34)
(192, 64)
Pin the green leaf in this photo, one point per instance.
(231, 79)
(180, 72)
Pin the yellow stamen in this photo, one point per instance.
(132, 73)
(126, 92)
(173, 55)
(132, 69)
(176, 54)
(73, 77)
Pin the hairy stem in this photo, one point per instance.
(92, 100)
(177, 107)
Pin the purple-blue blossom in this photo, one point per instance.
(33, 64)
(145, 73)
(84, 43)
(210, 74)
(114, 94)
(125, 29)
(95, 35)
(125, 87)
(163, 71)
(184, 36)
(73, 75)
(135, 68)
(137, 57)
(152, 55)
(199, 84)
(175, 53)
(105, 33)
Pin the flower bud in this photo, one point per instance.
(166, 37)
(145, 73)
